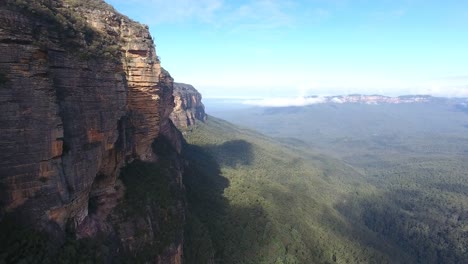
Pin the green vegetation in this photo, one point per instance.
(262, 202)
(148, 187)
(68, 21)
(152, 204)
(198, 247)
(146, 183)
(422, 208)
(410, 197)
(90, 4)
(22, 244)
(3, 79)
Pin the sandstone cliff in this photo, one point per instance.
(82, 94)
(188, 108)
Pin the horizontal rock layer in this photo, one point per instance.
(82, 93)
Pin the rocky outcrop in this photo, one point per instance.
(188, 108)
(82, 93)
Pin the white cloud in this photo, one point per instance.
(337, 100)
(283, 102)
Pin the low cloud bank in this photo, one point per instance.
(286, 101)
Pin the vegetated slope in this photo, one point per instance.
(414, 155)
(254, 200)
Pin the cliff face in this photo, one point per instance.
(188, 108)
(82, 93)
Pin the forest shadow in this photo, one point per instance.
(351, 236)
(3, 199)
(233, 153)
(211, 217)
(452, 187)
(408, 225)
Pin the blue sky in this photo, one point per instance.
(273, 48)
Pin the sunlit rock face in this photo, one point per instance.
(82, 93)
(188, 108)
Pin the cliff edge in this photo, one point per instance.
(83, 94)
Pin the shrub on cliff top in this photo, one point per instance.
(91, 4)
(67, 18)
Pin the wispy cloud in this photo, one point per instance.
(174, 11)
(251, 15)
(321, 13)
(391, 14)
(456, 78)
(443, 90)
(316, 15)
(449, 85)
(263, 14)
(285, 101)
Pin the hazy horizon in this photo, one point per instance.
(322, 95)
(224, 103)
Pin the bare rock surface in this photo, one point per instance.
(188, 108)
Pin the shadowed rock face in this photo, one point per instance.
(188, 108)
(82, 92)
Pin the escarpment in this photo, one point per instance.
(82, 94)
(188, 108)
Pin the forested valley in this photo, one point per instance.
(330, 184)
